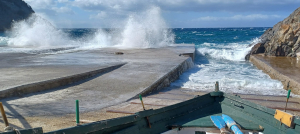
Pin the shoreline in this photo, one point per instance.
(281, 69)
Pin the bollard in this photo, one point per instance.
(77, 112)
(217, 87)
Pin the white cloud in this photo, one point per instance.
(209, 18)
(188, 5)
(63, 10)
(63, 1)
(100, 15)
(50, 7)
(40, 4)
(112, 5)
(250, 17)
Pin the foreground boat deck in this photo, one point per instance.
(170, 97)
(156, 100)
(194, 112)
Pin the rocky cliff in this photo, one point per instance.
(13, 10)
(281, 40)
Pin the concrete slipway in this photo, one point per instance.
(46, 85)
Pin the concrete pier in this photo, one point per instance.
(40, 88)
(285, 69)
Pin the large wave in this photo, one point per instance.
(37, 32)
(147, 29)
(227, 51)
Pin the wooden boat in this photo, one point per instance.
(189, 116)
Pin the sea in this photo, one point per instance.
(220, 52)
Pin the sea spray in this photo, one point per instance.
(3, 41)
(37, 32)
(146, 30)
(142, 30)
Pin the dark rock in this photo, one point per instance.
(256, 49)
(119, 53)
(281, 40)
(13, 10)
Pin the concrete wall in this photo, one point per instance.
(170, 77)
(274, 74)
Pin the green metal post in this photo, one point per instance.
(145, 109)
(142, 102)
(77, 112)
(287, 99)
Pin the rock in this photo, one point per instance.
(258, 48)
(281, 40)
(119, 53)
(13, 10)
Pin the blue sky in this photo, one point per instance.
(177, 13)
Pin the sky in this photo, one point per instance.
(177, 13)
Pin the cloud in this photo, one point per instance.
(65, 10)
(250, 17)
(100, 15)
(50, 7)
(108, 11)
(116, 5)
(40, 4)
(63, 1)
(253, 17)
(209, 18)
(190, 5)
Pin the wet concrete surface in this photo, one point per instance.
(289, 66)
(143, 67)
(284, 69)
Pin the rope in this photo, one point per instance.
(9, 129)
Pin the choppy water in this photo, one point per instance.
(220, 57)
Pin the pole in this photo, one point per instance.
(144, 110)
(217, 86)
(3, 115)
(142, 102)
(77, 112)
(287, 99)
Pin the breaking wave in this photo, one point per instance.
(144, 30)
(224, 62)
(229, 51)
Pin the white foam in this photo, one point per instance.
(36, 32)
(3, 41)
(144, 30)
(225, 63)
(228, 51)
(235, 53)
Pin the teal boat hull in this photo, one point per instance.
(195, 112)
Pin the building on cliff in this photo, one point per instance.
(13, 10)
